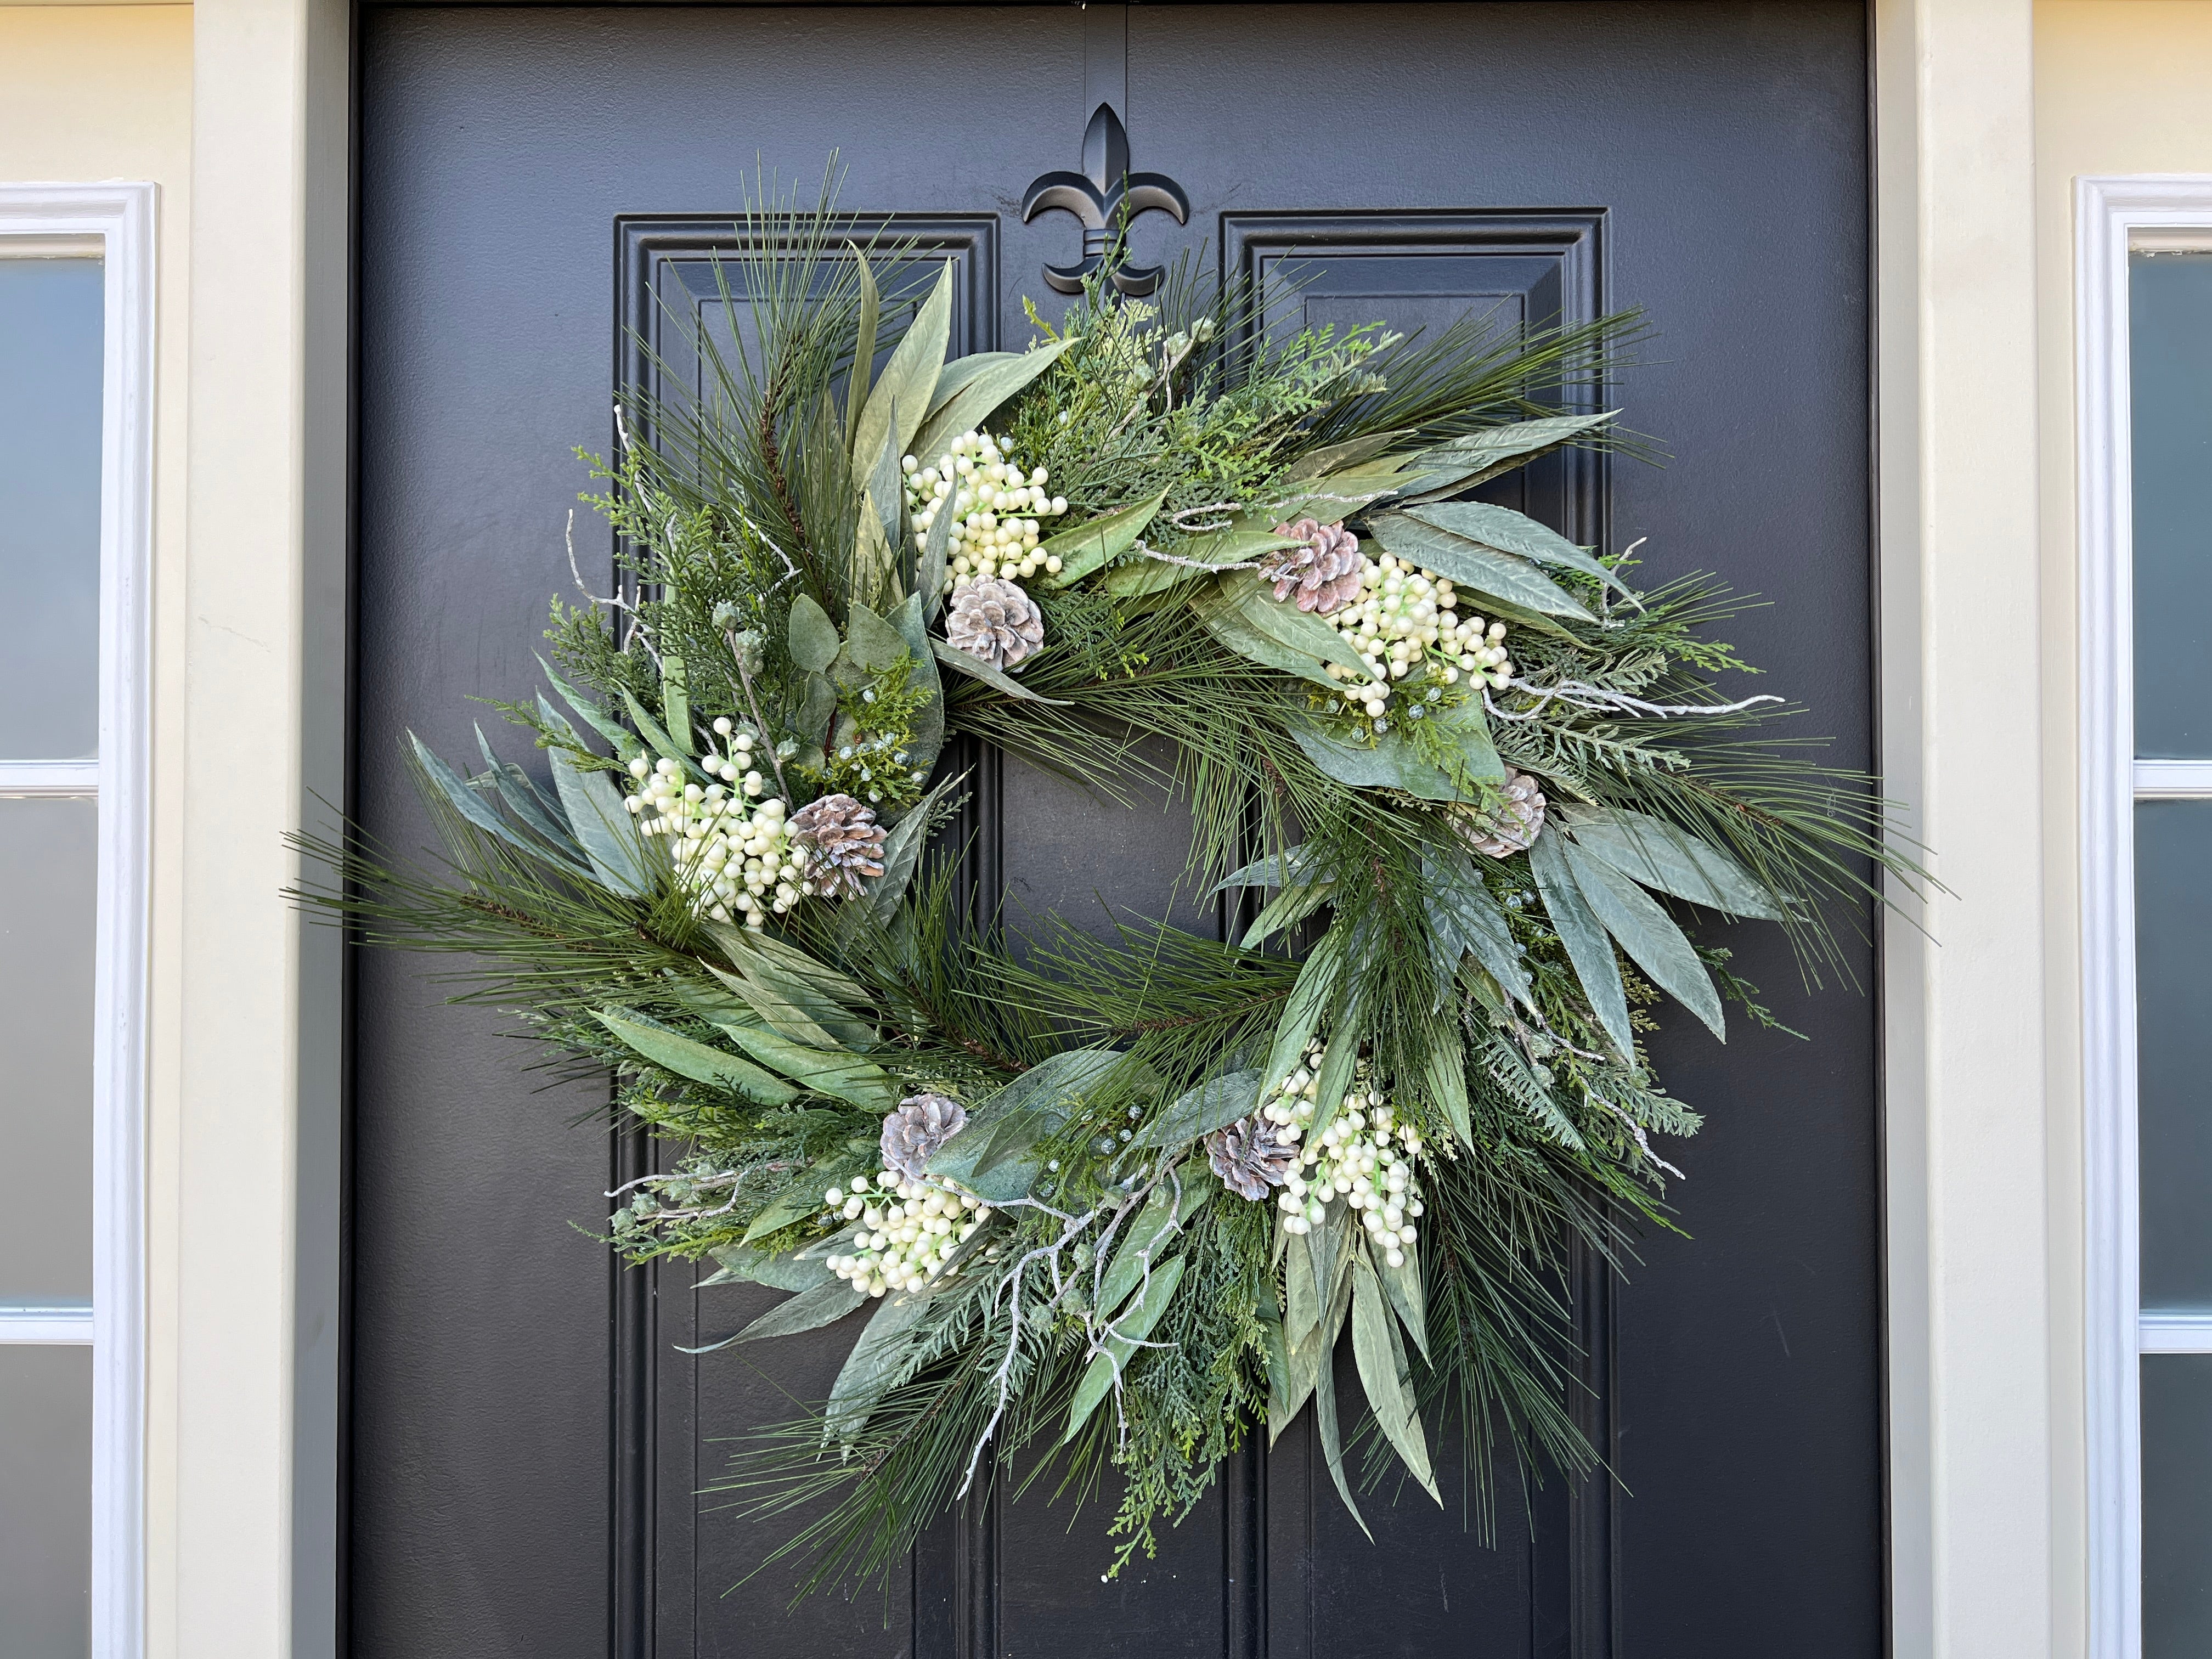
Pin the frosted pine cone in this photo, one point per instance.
(1249, 1159)
(913, 1133)
(843, 845)
(1512, 828)
(1322, 570)
(993, 619)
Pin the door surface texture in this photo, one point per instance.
(537, 186)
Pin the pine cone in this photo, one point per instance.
(843, 843)
(993, 619)
(1512, 828)
(913, 1133)
(1322, 570)
(1249, 1159)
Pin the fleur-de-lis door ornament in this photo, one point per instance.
(1105, 197)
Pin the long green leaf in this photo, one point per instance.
(842, 1076)
(900, 401)
(1656, 854)
(1384, 1375)
(624, 744)
(1502, 528)
(1498, 449)
(1088, 546)
(1473, 565)
(1446, 1079)
(976, 401)
(1244, 595)
(662, 741)
(809, 1311)
(1391, 763)
(1585, 940)
(1649, 936)
(1214, 1105)
(976, 669)
(803, 1197)
(864, 349)
(902, 849)
(1402, 1285)
(874, 1366)
(477, 810)
(1310, 1001)
(741, 1263)
(1332, 1439)
(602, 829)
(697, 1061)
(1132, 1327)
(925, 737)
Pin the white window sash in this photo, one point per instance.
(115, 221)
(2114, 217)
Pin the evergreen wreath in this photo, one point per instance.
(1117, 1199)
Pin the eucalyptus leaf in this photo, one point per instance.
(1243, 596)
(1385, 1376)
(1502, 528)
(602, 829)
(1649, 936)
(975, 400)
(1657, 853)
(874, 1367)
(896, 407)
(811, 1309)
(1093, 544)
(976, 669)
(736, 1262)
(812, 635)
(843, 1076)
(1391, 763)
(1214, 1105)
(1132, 1326)
(1588, 948)
(1473, 565)
(689, 1058)
(871, 643)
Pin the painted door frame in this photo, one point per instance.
(245, 1528)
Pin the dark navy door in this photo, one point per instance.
(527, 1446)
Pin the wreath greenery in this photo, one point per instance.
(1117, 1199)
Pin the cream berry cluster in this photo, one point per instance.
(730, 848)
(1364, 1156)
(995, 506)
(1407, 619)
(906, 1233)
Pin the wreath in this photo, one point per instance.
(1117, 1199)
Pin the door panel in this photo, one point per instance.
(528, 1445)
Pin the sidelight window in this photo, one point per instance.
(75, 324)
(2146, 432)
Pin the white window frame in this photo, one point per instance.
(114, 220)
(2115, 216)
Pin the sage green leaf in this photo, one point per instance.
(812, 635)
(1477, 761)
(1310, 999)
(896, 407)
(1473, 565)
(1402, 1285)
(1384, 1374)
(956, 376)
(781, 1006)
(1588, 948)
(1498, 449)
(1334, 1077)
(864, 349)
(744, 948)
(875, 1366)
(624, 744)
(1270, 1315)
(1335, 458)
(1086, 547)
(741, 1262)
(523, 798)
(884, 507)
(811, 1309)
(1308, 640)
(676, 700)
(1134, 1324)
(968, 408)
(832, 1071)
(818, 709)
(1238, 544)
(1301, 1295)
(976, 669)
(1390, 764)
(1166, 1211)
(926, 737)
(697, 1061)
(1332, 1442)
(902, 849)
(602, 829)
(1042, 1099)
(1509, 532)
(929, 571)
(802, 1198)
(1225, 625)
(1658, 854)
(1286, 910)
(662, 742)
(1649, 936)
(1214, 1105)
(1446, 1079)
(476, 809)
(871, 641)
(1283, 869)
(1474, 921)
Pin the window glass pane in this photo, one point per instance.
(2176, 1505)
(48, 885)
(2170, 301)
(51, 320)
(46, 1503)
(2174, 988)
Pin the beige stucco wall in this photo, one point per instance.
(90, 93)
(2121, 86)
